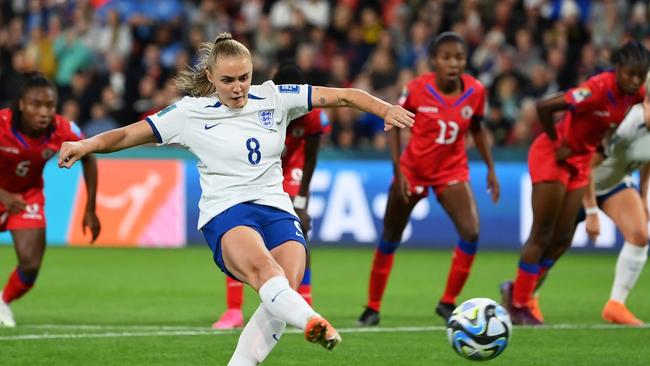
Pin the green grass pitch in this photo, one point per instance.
(103, 306)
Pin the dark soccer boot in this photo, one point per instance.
(444, 309)
(368, 318)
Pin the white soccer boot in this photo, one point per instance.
(6, 316)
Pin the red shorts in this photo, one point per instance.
(292, 181)
(450, 178)
(32, 218)
(573, 172)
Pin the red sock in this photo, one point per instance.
(523, 288)
(381, 267)
(234, 293)
(458, 273)
(15, 287)
(305, 292)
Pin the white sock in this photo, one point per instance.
(260, 335)
(628, 268)
(285, 303)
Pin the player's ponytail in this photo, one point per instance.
(632, 53)
(30, 81)
(194, 81)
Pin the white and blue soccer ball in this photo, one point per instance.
(479, 329)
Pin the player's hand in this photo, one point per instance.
(493, 185)
(398, 117)
(91, 222)
(592, 226)
(305, 220)
(71, 152)
(13, 202)
(402, 186)
(562, 151)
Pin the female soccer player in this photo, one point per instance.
(559, 183)
(237, 131)
(30, 134)
(446, 104)
(298, 164)
(612, 190)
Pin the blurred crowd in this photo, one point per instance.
(113, 60)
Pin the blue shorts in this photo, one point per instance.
(603, 197)
(274, 226)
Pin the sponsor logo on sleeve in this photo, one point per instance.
(289, 88)
(580, 94)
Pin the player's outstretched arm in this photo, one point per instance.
(393, 115)
(118, 139)
(90, 219)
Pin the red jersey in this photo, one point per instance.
(293, 156)
(22, 158)
(597, 105)
(436, 152)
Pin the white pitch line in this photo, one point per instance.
(167, 331)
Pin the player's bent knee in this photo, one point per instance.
(639, 238)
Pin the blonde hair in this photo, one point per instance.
(194, 81)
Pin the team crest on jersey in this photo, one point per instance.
(266, 118)
(466, 112)
(298, 132)
(581, 94)
(47, 153)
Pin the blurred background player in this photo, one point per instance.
(446, 103)
(298, 164)
(559, 184)
(612, 190)
(247, 219)
(30, 134)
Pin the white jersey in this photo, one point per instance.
(238, 149)
(627, 150)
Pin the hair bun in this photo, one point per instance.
(225, 36)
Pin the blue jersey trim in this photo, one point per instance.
(19, 137)
(435, 94)
(309, 106)
(254, 97)
(155, 130)
(466, 95)
(215, 105)
(611, 98)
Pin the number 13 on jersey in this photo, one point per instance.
(254, 153)
(448, 132)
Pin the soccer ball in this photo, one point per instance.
(479, 329)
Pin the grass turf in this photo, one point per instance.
(155, 306)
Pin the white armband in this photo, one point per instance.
(300, 202)
(592, 211)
